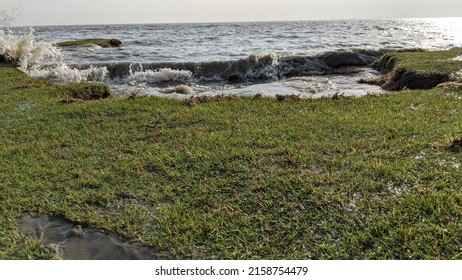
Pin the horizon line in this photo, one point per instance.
(237, 21)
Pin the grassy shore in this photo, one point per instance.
(418, 69)
(246, 178)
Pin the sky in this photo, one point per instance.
(63, 12)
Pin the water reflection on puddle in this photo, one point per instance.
(72, 242)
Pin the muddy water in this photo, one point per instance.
(72, 242)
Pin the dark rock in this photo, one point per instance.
(116, 43)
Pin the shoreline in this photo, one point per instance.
(235, 178)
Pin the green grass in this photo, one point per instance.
(360, 178)
(104, 43)
(418, 69)
(424, 62)
(86, 91)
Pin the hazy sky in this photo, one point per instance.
(62, 12)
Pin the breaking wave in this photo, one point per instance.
(29, 53)
(42, 59)
(156, 76)
(255, 68)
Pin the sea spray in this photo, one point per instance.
(6, 18)
(24, 49)
(44, 60)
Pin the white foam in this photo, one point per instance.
(28, 52)
(158, 76)
(305, 87)
(65, 74)
(93, 48)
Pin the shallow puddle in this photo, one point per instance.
(72, 242)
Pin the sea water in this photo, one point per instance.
(309, 58)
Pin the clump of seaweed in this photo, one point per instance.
(87, 91)
(196, 100)
(258, 95)
(282, 97)
(338, 95)
(455, 145)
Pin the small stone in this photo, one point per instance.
(184, 89)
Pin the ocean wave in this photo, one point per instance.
(163, 75)
(256, 67)
(42, 59)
